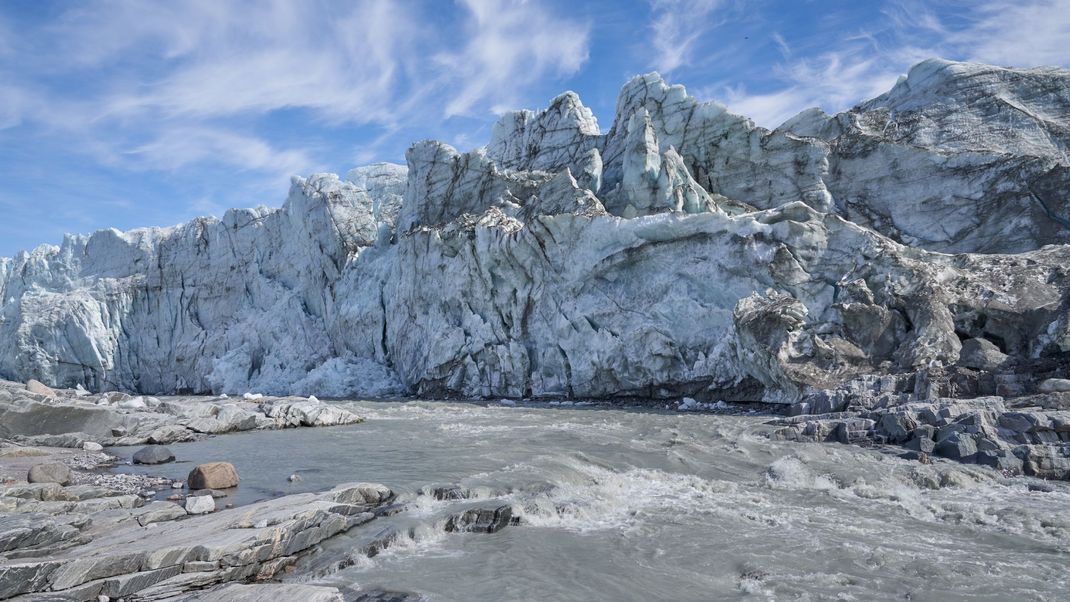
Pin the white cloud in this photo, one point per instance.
(1022, 34)
(677, 26)
(867, 63)
(13, 106)
(200, 66)
(510, 45)
(178, 147)
(835, 81)
(213, 59)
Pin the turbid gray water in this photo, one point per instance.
(617, 504)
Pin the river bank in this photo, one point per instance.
(511, 500)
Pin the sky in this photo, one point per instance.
(146, 113)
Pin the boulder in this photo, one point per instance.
(51, 472)
(92, 446)
(981, 354)
(39, 388)
(958, 446)
(898, 427)
(1000, 460)
(214, 475)
(170, 433)
(135, 403)
(200, 504)
(921, 444)
(153, 454)
(1054, 385)
(482, 520)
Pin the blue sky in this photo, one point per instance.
(131, 114)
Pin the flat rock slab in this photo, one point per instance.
(269, 592)
(65, 418)
(177, 557)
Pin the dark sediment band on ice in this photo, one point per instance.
(684, 251)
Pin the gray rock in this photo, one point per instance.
(271, 592)
(958, 446)
(1000, 460)
(153, 454)
(200, 504)
(1045, 461)
(897, 427)
(218, 548)
(157, 512)
(1054, 385)
(51, 472)
(449, 492)
(209, 426)
(921, 444)
(26, 530)
(981, 354)
(482, 520)
(213, 475)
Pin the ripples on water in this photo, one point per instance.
(629, 505)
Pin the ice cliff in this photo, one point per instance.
(683, 251)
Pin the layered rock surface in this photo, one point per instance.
(114, 549)
(685, 251)
(68, 420)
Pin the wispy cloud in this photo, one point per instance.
(676, 27)
(1022, 34)
(867, 62)
(171, 86)
(200, 65)
(211, 59)
(175, 148)
(510, 45)
(834, 81)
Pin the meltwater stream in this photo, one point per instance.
(619, 505)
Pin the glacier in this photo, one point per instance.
(683, 252)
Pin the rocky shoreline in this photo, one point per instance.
(996, 420)
(102, 536)
(89, 534)
(39, 415)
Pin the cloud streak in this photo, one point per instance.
(177, 75)
(676, 27)
(867, 63)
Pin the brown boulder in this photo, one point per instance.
(214, 475)
(39, 388)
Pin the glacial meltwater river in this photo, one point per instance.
(619, 505)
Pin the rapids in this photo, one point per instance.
(622, 504)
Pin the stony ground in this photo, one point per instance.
(98, 536)
(38, 415)
(999, 420)
(101, 537)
